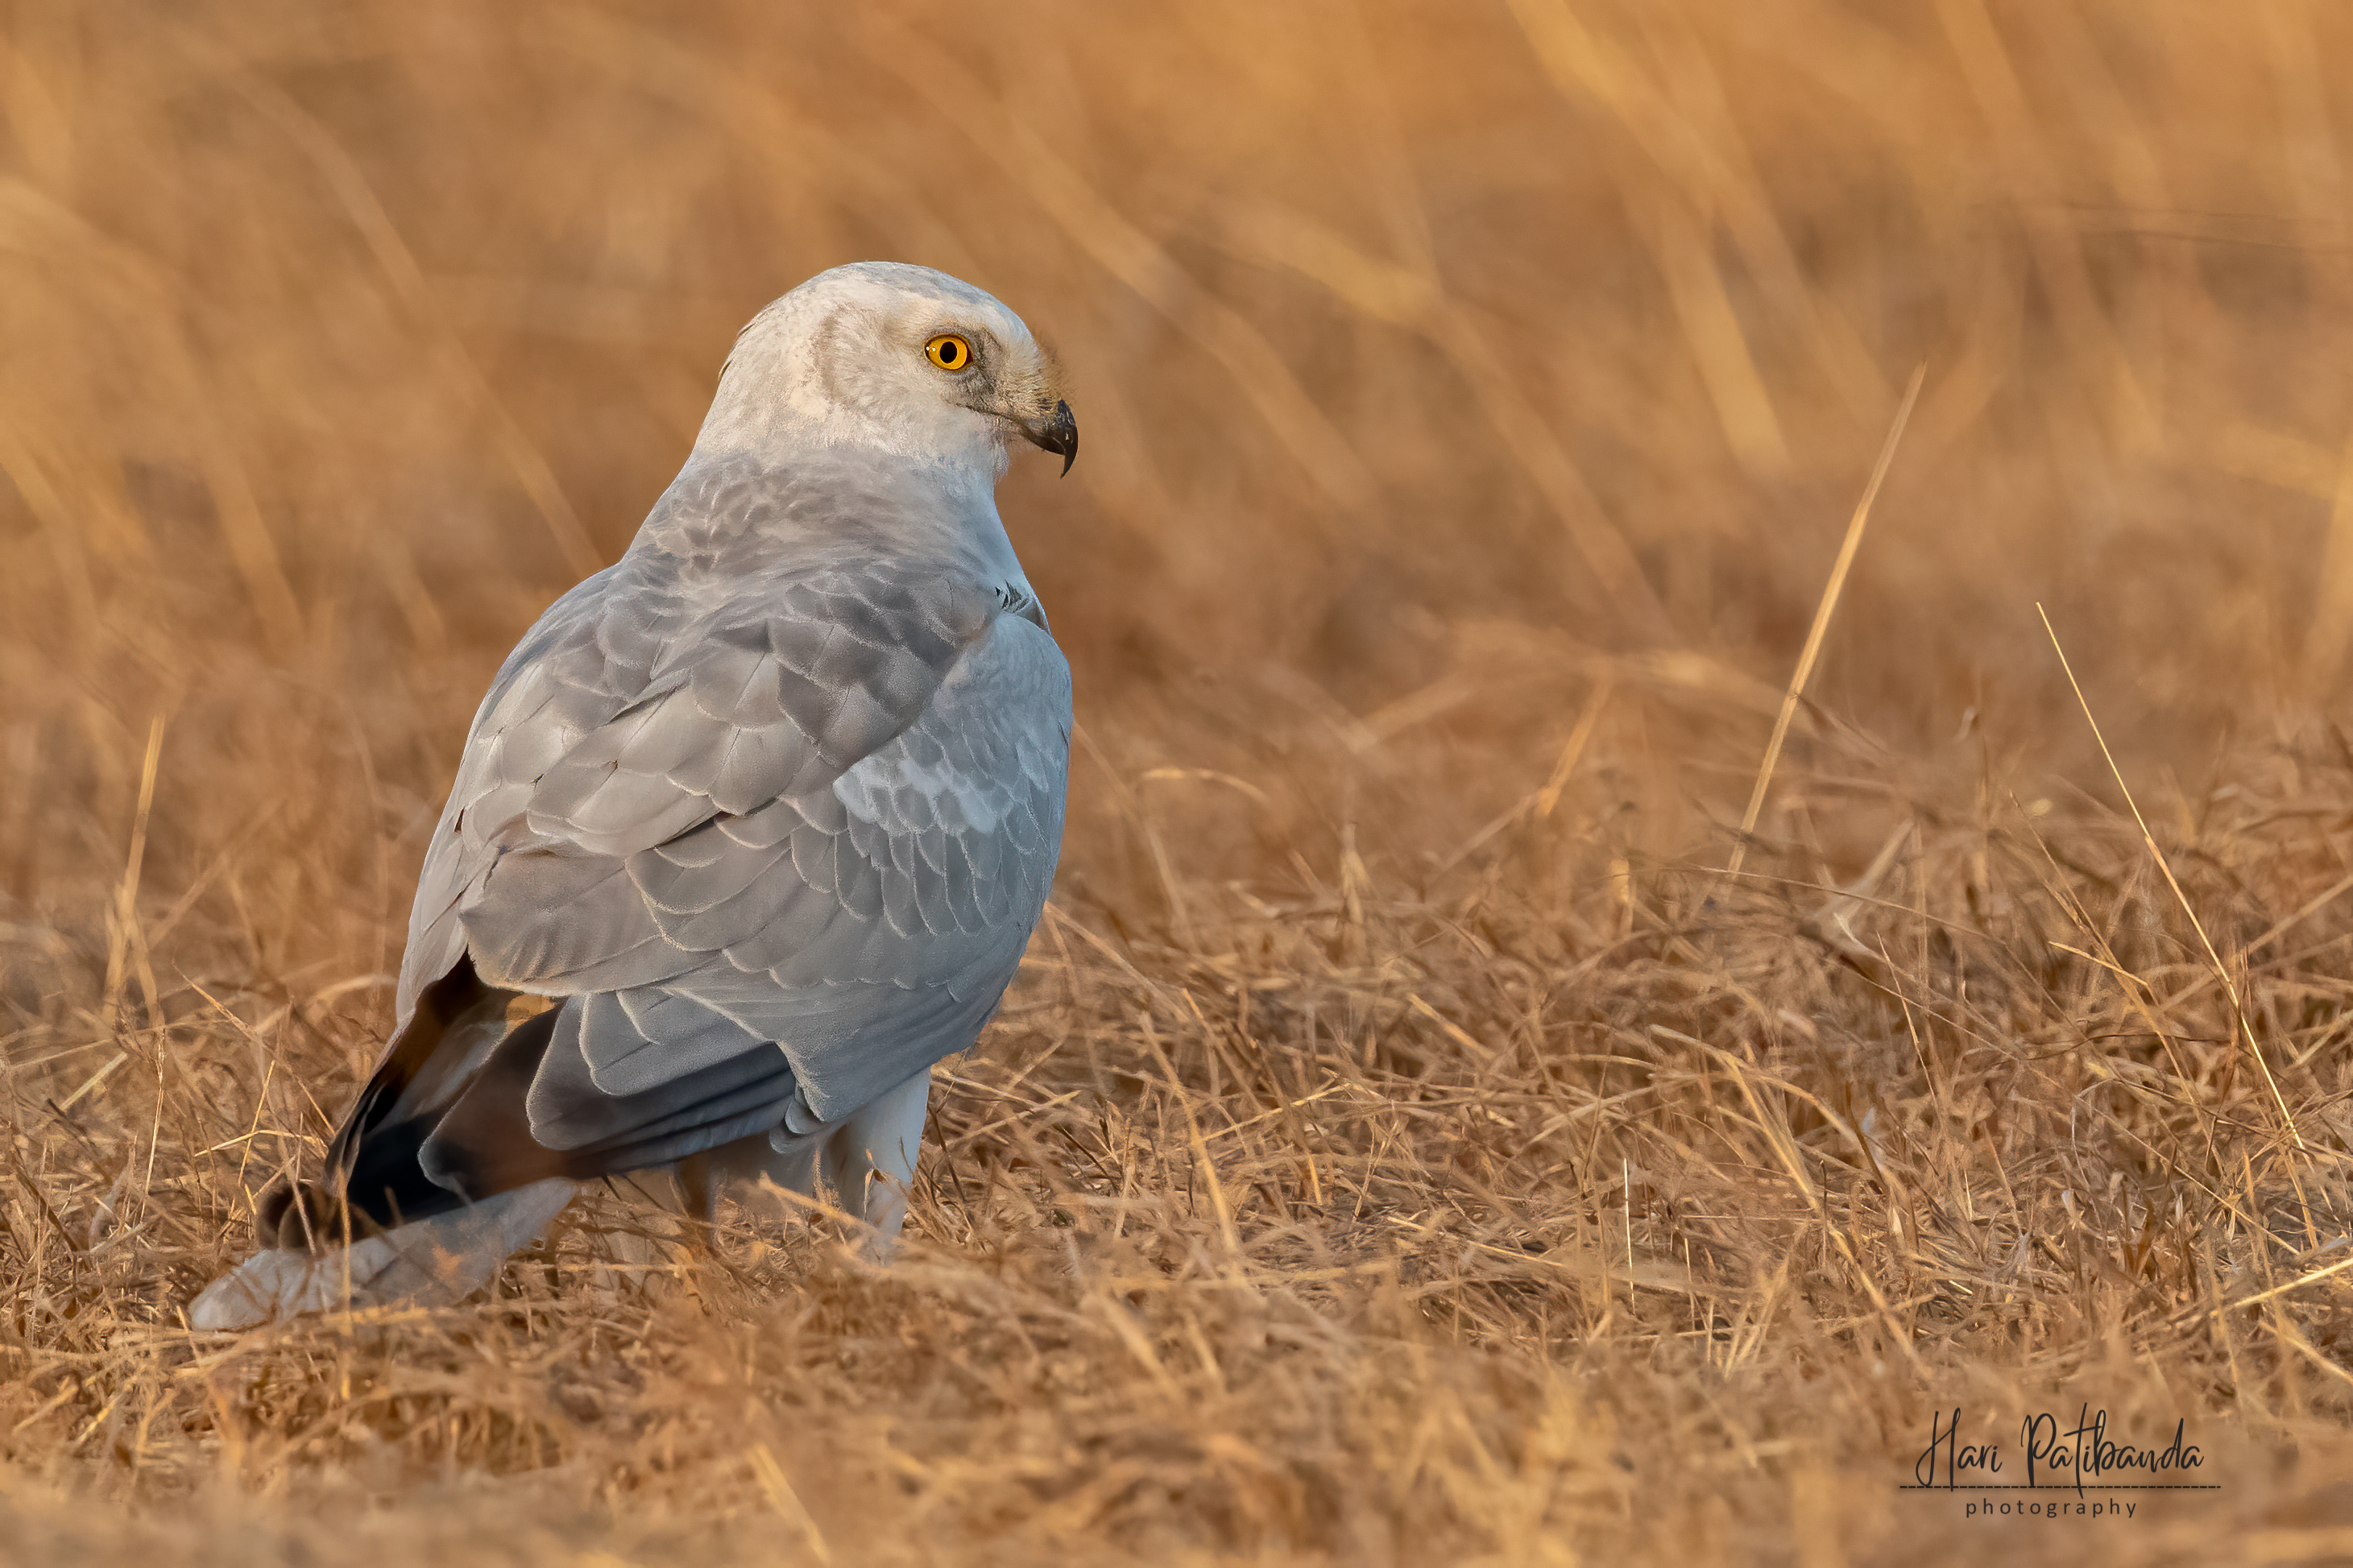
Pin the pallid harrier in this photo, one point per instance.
(760, 817)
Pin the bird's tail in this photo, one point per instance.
(424, 1263)
(374, 1230)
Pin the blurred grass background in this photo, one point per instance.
(1473, 399)
(342, 339)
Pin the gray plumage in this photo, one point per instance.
(765, 813)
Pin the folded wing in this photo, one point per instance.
(818, 812)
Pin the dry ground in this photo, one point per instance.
(1408, 1145)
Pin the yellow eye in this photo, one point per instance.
(948, 352)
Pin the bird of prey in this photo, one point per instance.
(749, 830)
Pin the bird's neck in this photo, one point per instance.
(809, 504)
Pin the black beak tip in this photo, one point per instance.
(1059, 434)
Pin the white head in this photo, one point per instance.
(885, 355)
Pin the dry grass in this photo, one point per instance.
(1405, 1146)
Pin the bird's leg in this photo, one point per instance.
(869, 1161)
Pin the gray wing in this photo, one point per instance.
(822, 814)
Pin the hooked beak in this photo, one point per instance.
(1059, 432)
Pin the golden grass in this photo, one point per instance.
(1407, 1144)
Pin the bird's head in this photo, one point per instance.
(902, 358)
